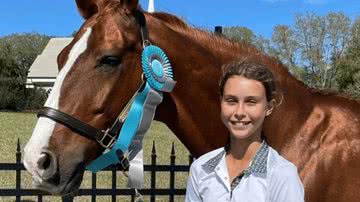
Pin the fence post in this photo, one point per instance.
(93, 187)
(153, 173)
(68, 198)
(18, 171)
(113, 186)
(191, 159)
(40, 198)
(172, 172)
(218, 30)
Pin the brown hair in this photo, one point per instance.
(250, 70)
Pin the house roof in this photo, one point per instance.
(45, 64)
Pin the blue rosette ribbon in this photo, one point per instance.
(157, 69)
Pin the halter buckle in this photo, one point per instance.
(146, 43)
(111, 142)
(123, 158)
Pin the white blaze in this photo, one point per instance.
(40, 138)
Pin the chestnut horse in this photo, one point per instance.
(101, 69)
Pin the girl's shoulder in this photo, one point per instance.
(208, 161)
(280, 166)
(276, 160)
(210, 155)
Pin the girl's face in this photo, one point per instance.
(244, 107)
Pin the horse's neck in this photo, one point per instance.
(192, 110)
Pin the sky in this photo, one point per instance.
(60, 18)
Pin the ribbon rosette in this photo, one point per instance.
(157, 68)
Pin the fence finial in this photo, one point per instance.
(18, 148)
(153, 148)
(172, 149)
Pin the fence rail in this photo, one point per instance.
(114, 191)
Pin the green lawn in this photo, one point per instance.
(20, 125)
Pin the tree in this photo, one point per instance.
(264, 45)
(17, 53)
(338, 36)
(246, 35)
(312, 48)
(348, 66)
(310, 32)
(285, 47)
(240, 34)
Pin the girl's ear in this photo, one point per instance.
(270, 107)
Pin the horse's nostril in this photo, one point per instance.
(48, 168)
(45, 161)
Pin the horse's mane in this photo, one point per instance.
(179, 25)
(215, 40)
(170, 19)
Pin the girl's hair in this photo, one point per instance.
(250, 70)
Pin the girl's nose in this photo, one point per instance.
(240, 112)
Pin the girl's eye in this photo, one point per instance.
(110, 61)
(251, 101)
(230, 101)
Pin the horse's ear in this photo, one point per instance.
(130, 5)
(88, 8)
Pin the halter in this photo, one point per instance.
(134, 120)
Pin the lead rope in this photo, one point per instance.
(138, 196)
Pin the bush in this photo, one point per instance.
(12, 96)
(15, 97)
(36, 98)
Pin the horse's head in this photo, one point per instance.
(102, 62)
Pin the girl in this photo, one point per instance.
(247, 168)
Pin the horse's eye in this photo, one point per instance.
(110, 60)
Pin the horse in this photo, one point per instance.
(101, 69)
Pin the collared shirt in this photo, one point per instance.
(269, 177)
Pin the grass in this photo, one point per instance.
(20, 125)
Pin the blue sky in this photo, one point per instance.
(60, 17)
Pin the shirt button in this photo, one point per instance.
(218, 168)
(225, 178)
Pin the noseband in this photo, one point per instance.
(157, 78)
(106, 138)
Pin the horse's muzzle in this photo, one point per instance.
(48, 176)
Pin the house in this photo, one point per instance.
(43, 71)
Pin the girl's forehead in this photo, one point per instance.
(240, 85)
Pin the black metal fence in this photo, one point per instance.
(114, 191)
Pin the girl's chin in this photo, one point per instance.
(240, 135)
(243, 134)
